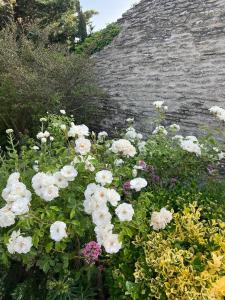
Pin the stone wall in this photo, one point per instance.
(172, 50)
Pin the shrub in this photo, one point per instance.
(77, 206)
(35, 79)
(98, 40)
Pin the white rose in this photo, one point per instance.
(138, 183)
(112, 244)
(125, 212)
(83, 146)
(69, 172)
(58, 231)
(104, 177)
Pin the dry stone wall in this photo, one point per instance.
(172, 50)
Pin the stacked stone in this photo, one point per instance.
(172, 50)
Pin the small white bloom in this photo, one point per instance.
(19, 244)
(62, 111)
(159, 220)
(7, 218)
(58, 231)
(221, 155)
(134, 172)
(103, 232)
(160, 130)
(118, 162)
(40, 135)
(20, 206)
(50, 192)
(158, 104)
(113, 197)
(123, 147)
(78, 130)
(43, 120)
(191, 145)
(101, 217)
(36, 148)
(175, 127)
(83, 146)
(63, 127)
(138, 183)
(141, 147)
(112, 244)
(8, 131)
(43, 140)
(51, 138)
(104, 177)
(102, 135)
(60, 181)
(46, 134)
(130, 120)
(90, 190)
(69, 172)
(125, 212)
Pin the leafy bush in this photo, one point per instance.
(35, 79)
(156, 209)
(98, 40)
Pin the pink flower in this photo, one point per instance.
(91, 252)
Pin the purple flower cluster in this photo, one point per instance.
(91, 252)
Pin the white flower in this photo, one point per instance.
(89, 166)
(20, 206)
(101, 216)
(19, 244)
(118, 162)
(158, 104)
(166, 214)
(69, 172)
(58, 231)
(100, 194)
(102, 232)
(11, 242)
(43, 120)
(159, 220)
(112, 244)
(63, 127)
(83, 146)
(138, 183)
(23, 244)
(175, 127)
(131, 134)
(221, 155)
(130, 120)
(219, 112)
(40, 135)
(191, 145)
(123, 147)
(78, 130)
(141, 146)
(60, 181)
(36, 148)
(51, 138)
(43, 140)
(7, 218)
(104, 177)
(179, 138)
(90, 190)
(125, 212)
(13, 178)
(46, 134)
(134, 172)
(8, 131)
(62, 111)
(113, 197)
(50, 192)
(160, 130)
(102, 135)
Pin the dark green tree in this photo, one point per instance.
(82, 23)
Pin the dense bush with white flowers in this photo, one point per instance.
(86, 217)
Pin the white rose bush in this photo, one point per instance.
(77, 204)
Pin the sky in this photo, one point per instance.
(109, 10)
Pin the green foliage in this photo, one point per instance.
(64, 20)
(35, 79)
(98, 40)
